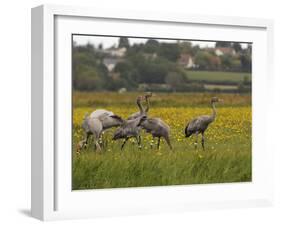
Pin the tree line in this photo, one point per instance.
(152, 63)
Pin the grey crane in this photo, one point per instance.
(147, 97)
(201, 123)
(141, 111)
(96, 123)
(157, 128)
(129, 128)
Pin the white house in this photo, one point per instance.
(186, 61)
(224, 51)
(116, 52)
(111, 62)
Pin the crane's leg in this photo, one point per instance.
(98, 146)
(152, 142)
(79, 146)
(101, 141)
(158, 144)
(139, 141)
(87, 135)
(196, 141)
(85, 140)
(168, 142)
(126, 139)
(82, 144)
(97, 137)
(203, 141)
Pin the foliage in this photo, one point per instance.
(237, 47)
(151, 46)
(202, 58)
(246, 62)
(88, 72)
(223, 44)
(153, 64)
(207, 61)
(186, 47)
(170, 51)
(123, 42)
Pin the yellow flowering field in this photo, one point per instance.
(227, 155)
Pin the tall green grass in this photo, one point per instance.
(133, 167)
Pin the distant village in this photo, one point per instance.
(156, 66)
(116, 55)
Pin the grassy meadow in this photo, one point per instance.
(217, 76)
(227, 157)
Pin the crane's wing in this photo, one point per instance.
(193, 124)
(101, 113)
(134, 115)
(198, 124)
(117, 117)
(103, 116)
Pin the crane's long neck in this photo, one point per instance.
(214, 113)
(147, 105)
(140, 106)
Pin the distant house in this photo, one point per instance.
(116, 52)
(110, 62)
(224, 51)
(186, 61)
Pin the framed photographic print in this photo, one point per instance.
(137, 112)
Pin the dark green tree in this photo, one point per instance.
(170, 51)
(128, 73)
(186, 47)
(151, 46)
(124, 42)
(89, 73)
(195, 49)
(246, 62)
(100, 46)
(203, 60)
(223, 44)
(237, 47)
(226, 62)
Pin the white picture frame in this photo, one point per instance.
(52, 197)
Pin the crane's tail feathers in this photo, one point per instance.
(117, 117)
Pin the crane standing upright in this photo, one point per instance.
(201, 123)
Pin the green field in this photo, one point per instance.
(217, 76)
(220, 87)
(227, 158)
